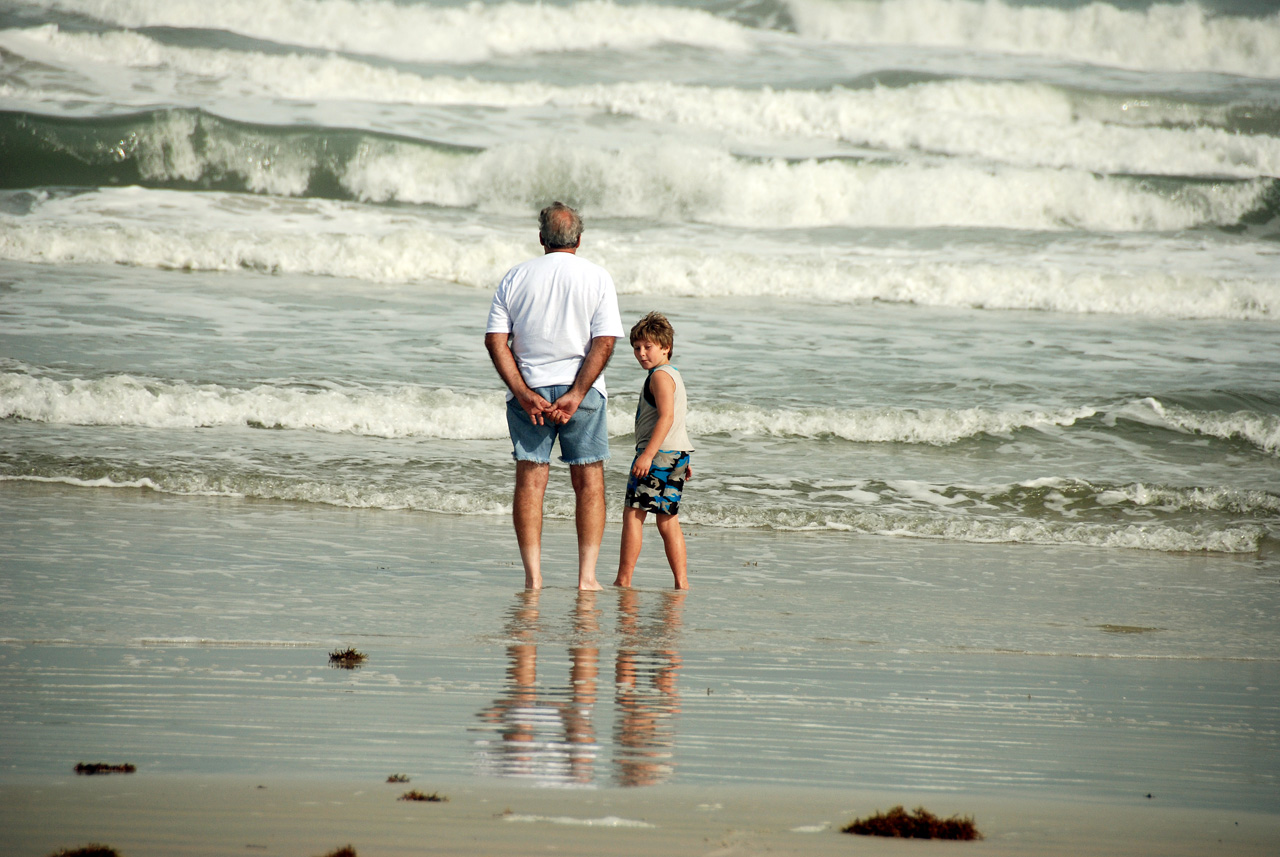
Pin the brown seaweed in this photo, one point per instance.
(344, 851)
(398, 778)
(88, 769)
(415, 795)
(920, 824)
(91, 850)
(346, 659)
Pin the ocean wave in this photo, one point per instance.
(119, 226)
(1246, 538)
(1160, 37)
(474, 32)
(118, 400)
(126, 400)
(1261, 430)
(240, 486)
(1023, 124)
(936, 426)
(1044, 512)
(187, 149)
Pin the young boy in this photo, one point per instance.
(661, 465)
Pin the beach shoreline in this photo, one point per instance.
(142, 815)
(189, 636)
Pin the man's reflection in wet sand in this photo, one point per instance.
(548, 735)
(644, 690)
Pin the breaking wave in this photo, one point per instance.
(1160, 37)
(1008, 122)
(441, 413)
(190, 149)
(119, 226)
(1045, 512)
(470, 33)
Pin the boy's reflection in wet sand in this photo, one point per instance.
(549, 735)
(644, 690)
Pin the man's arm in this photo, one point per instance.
(499, 347)
(598, 354)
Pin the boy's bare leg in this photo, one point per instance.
(526, 513)
(673, 542)
(632, 541)
(588, 490)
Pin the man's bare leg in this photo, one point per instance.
(673, 542)
(526, 513)
(632, 540)
(588, 490)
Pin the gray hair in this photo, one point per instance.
(559, 227)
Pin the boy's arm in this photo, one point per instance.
(499, 348)
(598, 354)
(663, 388)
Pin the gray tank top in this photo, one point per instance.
(677, 438)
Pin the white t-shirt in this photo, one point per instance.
(553, 306)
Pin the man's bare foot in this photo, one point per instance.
(532, 582)
(591, 585)
(622, 580)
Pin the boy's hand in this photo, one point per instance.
(642, 466)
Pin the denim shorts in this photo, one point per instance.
(583, 440)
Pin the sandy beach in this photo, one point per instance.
(976, 306)
(794, 689)
(144, 816)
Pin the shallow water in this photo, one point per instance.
(192, 636)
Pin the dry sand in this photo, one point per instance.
(145, 816)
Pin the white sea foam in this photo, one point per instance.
(694, 183)
(419, 412)
(712, 186)
(138, 227)
(1240, 538)
(128, 400)
(1160, 37)
(344, 495)
(880, 425)
(913, 510)
(1261, 430)
(1012, 123)
(471, 33)
(571, 821)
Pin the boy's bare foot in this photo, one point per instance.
(591, 585)
(531, 582)
(622, 580)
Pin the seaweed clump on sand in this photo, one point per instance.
(920, 824)
(91, 850)
(415, 795)
(398, 778)
(346, 659)
(344, 851)
(102, 768)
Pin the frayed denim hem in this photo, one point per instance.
(584, 461)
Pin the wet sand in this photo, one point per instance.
(165, 816)
(807, 679)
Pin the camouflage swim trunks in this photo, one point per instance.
(660, 490)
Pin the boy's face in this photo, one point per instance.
(650, 354)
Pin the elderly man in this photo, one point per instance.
(551, 330)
